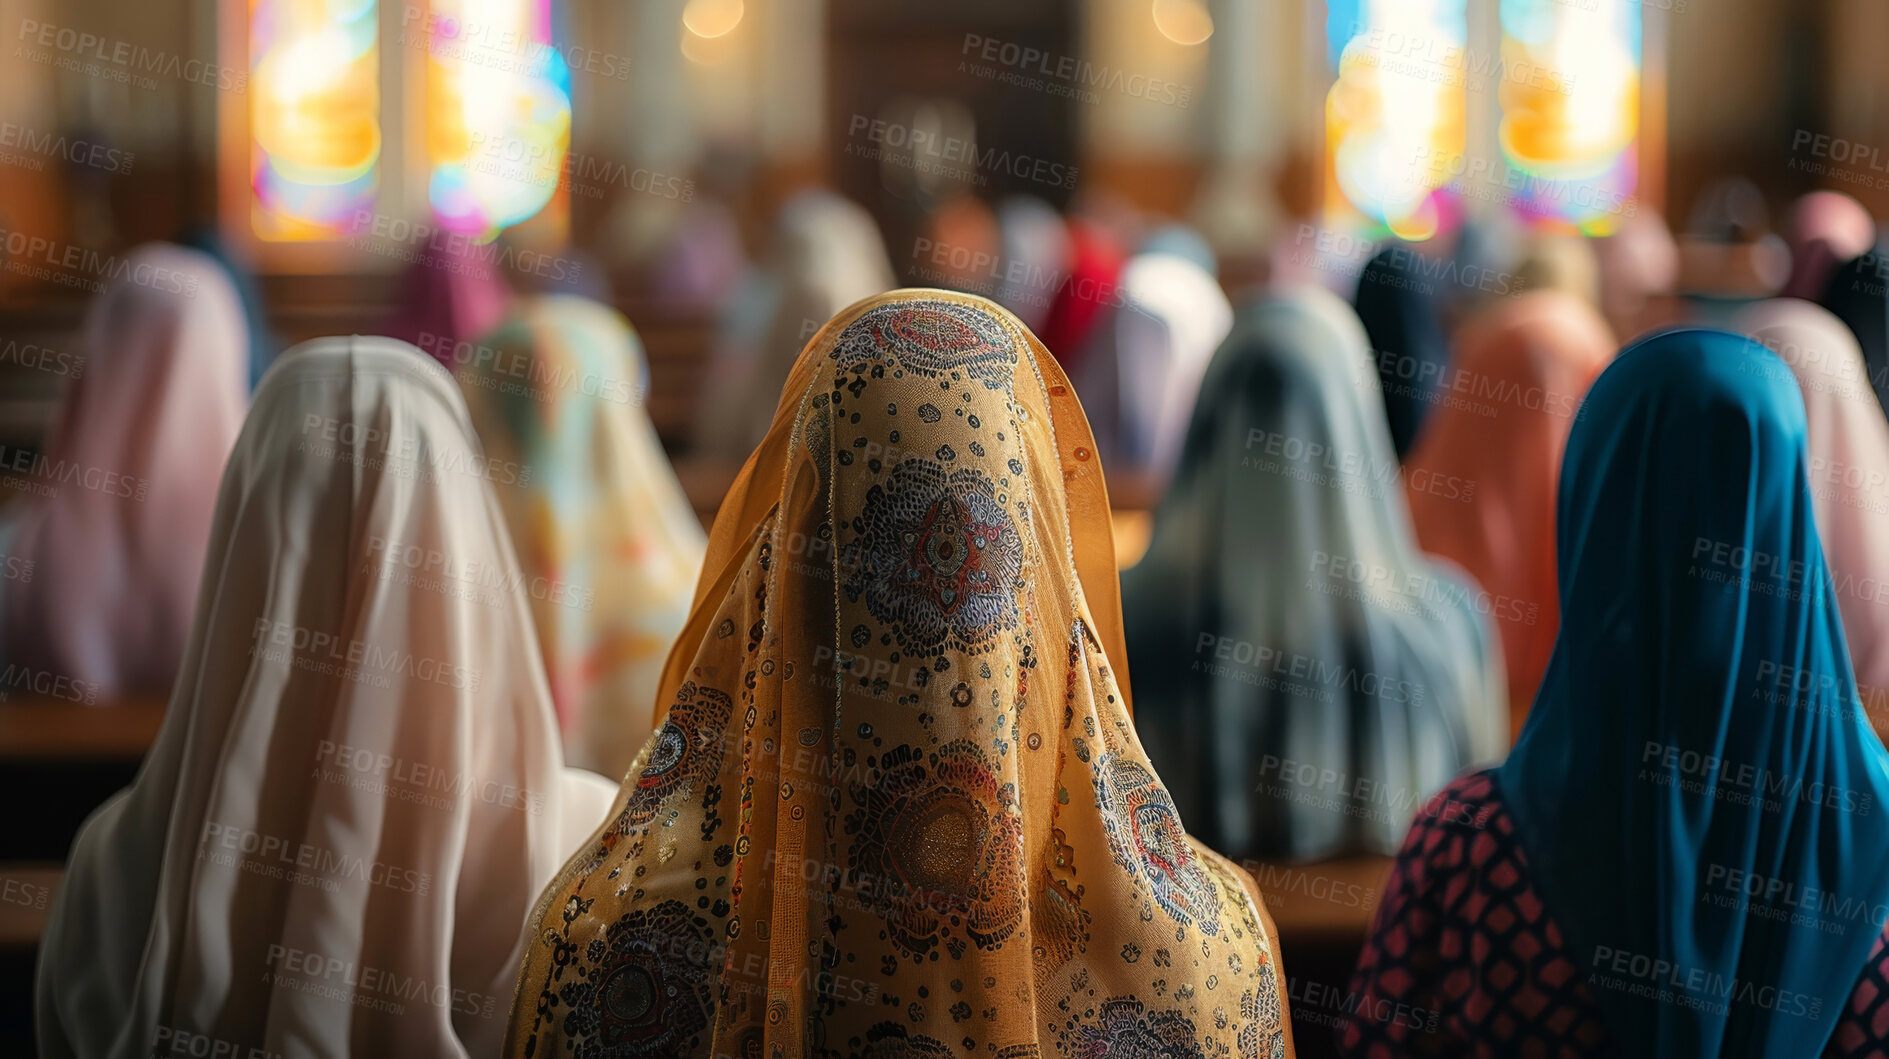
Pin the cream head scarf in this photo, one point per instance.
(357, 791)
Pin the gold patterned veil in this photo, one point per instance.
(897, 806)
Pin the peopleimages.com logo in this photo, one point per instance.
(169, 1041)
(285, 641)
(70, 265)
(373, 448)
(1743, 783)
(1290, 672)
(1701, 988)
(34, 357)
(419, 243)
(1065, 75)
(22, 893)
(44, 684)
(39, 146)
(367, 986)
(500, 46)
(304, 863)
(119, 60)
(924, 151)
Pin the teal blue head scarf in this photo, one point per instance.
(1699, 795)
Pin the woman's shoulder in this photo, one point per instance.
(1472, 801)
(1863, 1027)
(1464, 826)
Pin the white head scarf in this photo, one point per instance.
(1036, 257)
(1139, 378)
(827, 254)
(357, 792)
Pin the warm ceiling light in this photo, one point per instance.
(1183, 21)
(712, 18)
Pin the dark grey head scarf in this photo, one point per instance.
(1303, 676)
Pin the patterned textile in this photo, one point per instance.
(1666, 760)
(602, 528)
(897, 808)
(1463, 958)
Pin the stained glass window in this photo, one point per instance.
(1394, 117)
(485, 83)
(498, 113)
(1570, 99)
(315, 118)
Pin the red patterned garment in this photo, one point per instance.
(1463, 959)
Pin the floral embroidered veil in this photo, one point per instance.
(897, 806)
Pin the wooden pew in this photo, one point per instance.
(26, 896)
(44, 730)
(1131, 535)
(1323, 911)
(63, 759)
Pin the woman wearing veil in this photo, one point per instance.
(1402, 313)
(827, 253)
(1848, 447)
(1520, 371)
(115, 512)
(602, 528)
(1036, 250)
(1858, 293)
(357, 790)
(1824, 229)
(1639, 275)
(1686, 853)
(1141, 368)
(446, 299)
(897, 807)
(1305, 676)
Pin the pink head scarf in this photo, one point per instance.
(702, 259)
(1825, 229)
(118, 504)
(448, 299)
(1482, 476)
(1849, 472)
(1639, 271)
